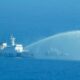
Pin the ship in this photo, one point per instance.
(13, 49)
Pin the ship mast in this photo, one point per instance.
(13, 40)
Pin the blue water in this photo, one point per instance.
(29, 69)
(30, 21)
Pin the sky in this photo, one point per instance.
(32, 20)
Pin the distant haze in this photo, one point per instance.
(32, 20)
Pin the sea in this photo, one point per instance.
(32, 69)
(30, 21)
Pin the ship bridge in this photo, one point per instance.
(12, 48)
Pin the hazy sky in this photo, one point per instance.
(36, 19)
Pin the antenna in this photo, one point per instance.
(13, 40)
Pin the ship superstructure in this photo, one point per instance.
(14, 49)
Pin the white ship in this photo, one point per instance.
(13, 49)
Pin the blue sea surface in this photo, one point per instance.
(31, 21)
(31, 69)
